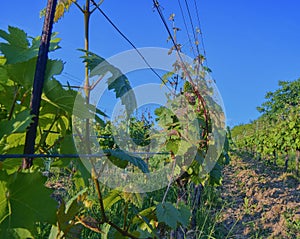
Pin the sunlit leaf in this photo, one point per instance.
(19, 205)
(134, 198)
(18, 124)
(113, 197)
(118, 82)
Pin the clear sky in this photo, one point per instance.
(250, 45)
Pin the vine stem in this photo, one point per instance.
(87, 89)
(100, 198)
(11, 111)
(185, 70)
(172, 175)
(125, 216)
(124, 232)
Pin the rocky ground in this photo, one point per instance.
(260, 201)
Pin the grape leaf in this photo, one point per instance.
(142, 234)
(18, 49)
(18, 124)
(54, 42)
(82, 175)
(2, 60)
(144, 214)
(118, 82)
(215, 175)
(11, 165)
(113, 197)
(16, 233)
(167, 214)
(24, 200)
(118, 156)
(22, 72)
(67, 146)
(14, 143)
(185, 214)
(67, 212)
(58, 97)
(3, 74)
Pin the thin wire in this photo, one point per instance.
(186, 28)
(200, 29)
(127, 39)
(193, 29)
(156, 5)
(72, 77)
(8, 156)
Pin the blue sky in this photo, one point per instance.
(250, 45)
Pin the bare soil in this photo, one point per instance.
(260, 201)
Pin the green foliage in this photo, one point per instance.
(118, 82)
(20, 208)
(58, 97)
(66, 215)
(215, 175)
(25, 201)
(18, 49)
(170, 215)
(18, 124)
(277, 131)
(279, 101)
(113, 197)
(140, 132)
(121, 159)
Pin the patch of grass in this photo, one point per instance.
(292, 223)
(256, 231)
(208, 215)
(248, 207)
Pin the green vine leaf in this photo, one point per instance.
(215, 175)
(67, 212)
(67, 146)
(57, 96)
(17, 47)
(113, 197)
(118, 82)
(170, 215)
(185, 214)
(16, 233)
(142, 234)
(121, 158)
(18, 124)
(22, 73)
(167, 214)
(19, 205)
(145, 217)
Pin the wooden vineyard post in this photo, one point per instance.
(38, 82)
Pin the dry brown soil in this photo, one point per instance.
(260, 201)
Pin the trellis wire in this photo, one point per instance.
(9, 156)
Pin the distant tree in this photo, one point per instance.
(279, 102)
(282, 110)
